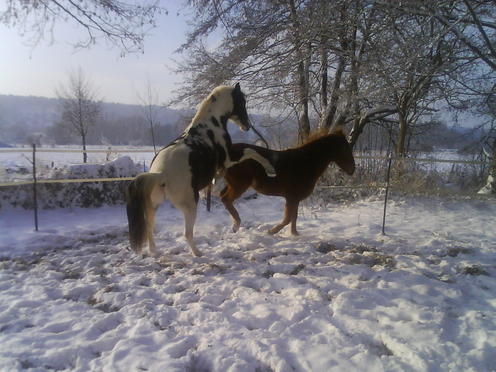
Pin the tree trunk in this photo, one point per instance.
(153, 136)
(303, 87)
(303, 72)
(85, 155)
(491, 180)
(490, 186)
(330, 113)
(331, 109)
(400, 146)
(324, 65)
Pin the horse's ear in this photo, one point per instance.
(237, 88)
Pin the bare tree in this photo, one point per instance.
(268, 45)
(342, 61)
(149, 102)
(123, 24)
(79, 106)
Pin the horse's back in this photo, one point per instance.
(295, 175)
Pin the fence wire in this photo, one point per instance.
(4, 183)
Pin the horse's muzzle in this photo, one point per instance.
(350, 170)
(245, 124)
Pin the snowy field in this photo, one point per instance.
(340, 297)
(18, 165)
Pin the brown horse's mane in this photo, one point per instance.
(323, 132)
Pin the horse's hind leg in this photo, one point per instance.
(294, 217)
(150, 228)
(157, 197)
(189, 211)
(289, 213)
(228, 195)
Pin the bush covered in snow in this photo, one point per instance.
(407, 176)
(77, 194)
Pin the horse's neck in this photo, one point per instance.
(205, 113)
(322, 152)
(322, 149)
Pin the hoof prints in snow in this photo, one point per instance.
(338, 297)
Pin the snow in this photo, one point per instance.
(339, 297)
(50, 162)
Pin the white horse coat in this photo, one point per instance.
(187, 165)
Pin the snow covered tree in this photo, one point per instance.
(123, 24)
(149, 102)
(266, 44)
(79, 106)
(329, 62)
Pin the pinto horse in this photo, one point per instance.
(184, 167)
(297, 171)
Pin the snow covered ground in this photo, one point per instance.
(340, 297)
(18, 165)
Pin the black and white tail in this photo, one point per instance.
(140, 209)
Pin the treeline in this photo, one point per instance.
(390, 64)
(24, 120)
(117, 130)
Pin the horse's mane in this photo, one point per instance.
(207, 102)
(323, 132)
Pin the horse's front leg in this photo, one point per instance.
(290, 215)
(228, 195)
(235, 157)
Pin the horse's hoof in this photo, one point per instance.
(197, 253)
(235, 228)
(271, 173)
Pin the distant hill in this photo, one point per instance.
(23, 118)
(35, 113)
(27, 118)
(39, 113)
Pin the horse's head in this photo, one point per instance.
(239, 114)
(344, 154)
(230, 103)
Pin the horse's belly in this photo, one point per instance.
(173, 163)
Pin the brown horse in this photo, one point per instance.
(297, 172)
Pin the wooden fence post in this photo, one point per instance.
(35, 195)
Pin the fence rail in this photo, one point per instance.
(118, 151)
(103, 151)
(36, 181)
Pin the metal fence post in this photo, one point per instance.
(209, 197)
(35, 195)
(387, 192)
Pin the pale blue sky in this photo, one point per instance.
(38, 71)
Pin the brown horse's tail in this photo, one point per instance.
(139, 200)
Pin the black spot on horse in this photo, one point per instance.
(193, 131)
(227, 140)
(221, 155)
(211, 135)
(224, 119)
(202, 162)
(217, 124)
